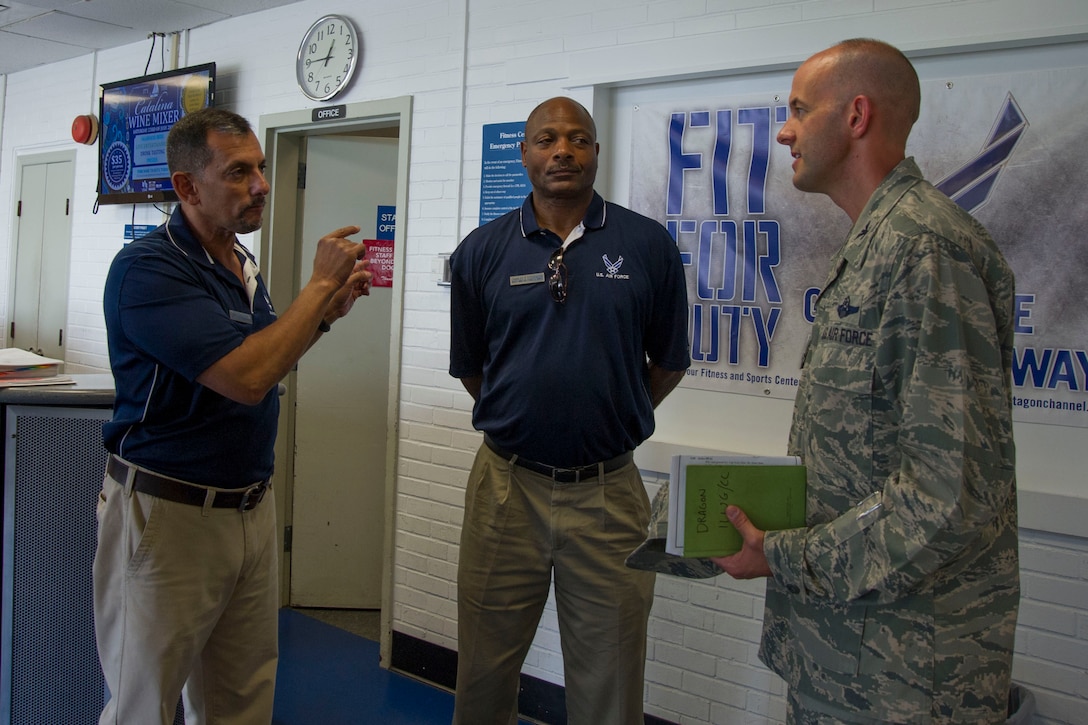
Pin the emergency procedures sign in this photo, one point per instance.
(503, 181)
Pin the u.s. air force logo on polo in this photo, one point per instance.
(612, 269)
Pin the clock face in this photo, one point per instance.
(327, 57)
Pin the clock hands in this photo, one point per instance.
(328, 56)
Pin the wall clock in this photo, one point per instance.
(327, 57)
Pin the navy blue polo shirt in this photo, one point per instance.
(567, 384)
(171, 311)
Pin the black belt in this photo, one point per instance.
(172, 489)
(558, 474)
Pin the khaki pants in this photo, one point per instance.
(184, 596)
(520, 530)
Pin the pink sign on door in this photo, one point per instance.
(380, 254)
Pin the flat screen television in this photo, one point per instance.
(136, 114)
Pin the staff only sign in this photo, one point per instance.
(1005, 147)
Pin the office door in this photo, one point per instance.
(342, 391)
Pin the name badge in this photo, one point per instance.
(243, 317)
(519, 279)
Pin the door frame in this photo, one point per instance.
(282, 136)
(22, 161)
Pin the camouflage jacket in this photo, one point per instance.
(898, 601)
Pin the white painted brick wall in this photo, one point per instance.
(470, 62)
(1052, 637)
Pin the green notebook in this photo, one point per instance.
(770, 490)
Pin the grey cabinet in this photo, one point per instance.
(53, 468)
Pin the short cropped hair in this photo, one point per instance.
(187, 143)
(590, 123)
(881, 71)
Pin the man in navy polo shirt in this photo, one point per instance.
(569, 325)
(185, 574)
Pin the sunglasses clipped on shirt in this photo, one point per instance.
(557, 281)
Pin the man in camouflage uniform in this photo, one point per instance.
(897, 603)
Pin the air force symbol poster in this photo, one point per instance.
(1006, 147)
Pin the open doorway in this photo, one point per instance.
(336, 455)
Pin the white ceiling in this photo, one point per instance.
(36, 32)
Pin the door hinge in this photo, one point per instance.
(67, 207)
(19, 208)
(60, 338)
(287, 539)
(302, 176)
(13, 329)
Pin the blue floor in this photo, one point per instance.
(333, 677)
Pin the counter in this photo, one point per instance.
(87, 391)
